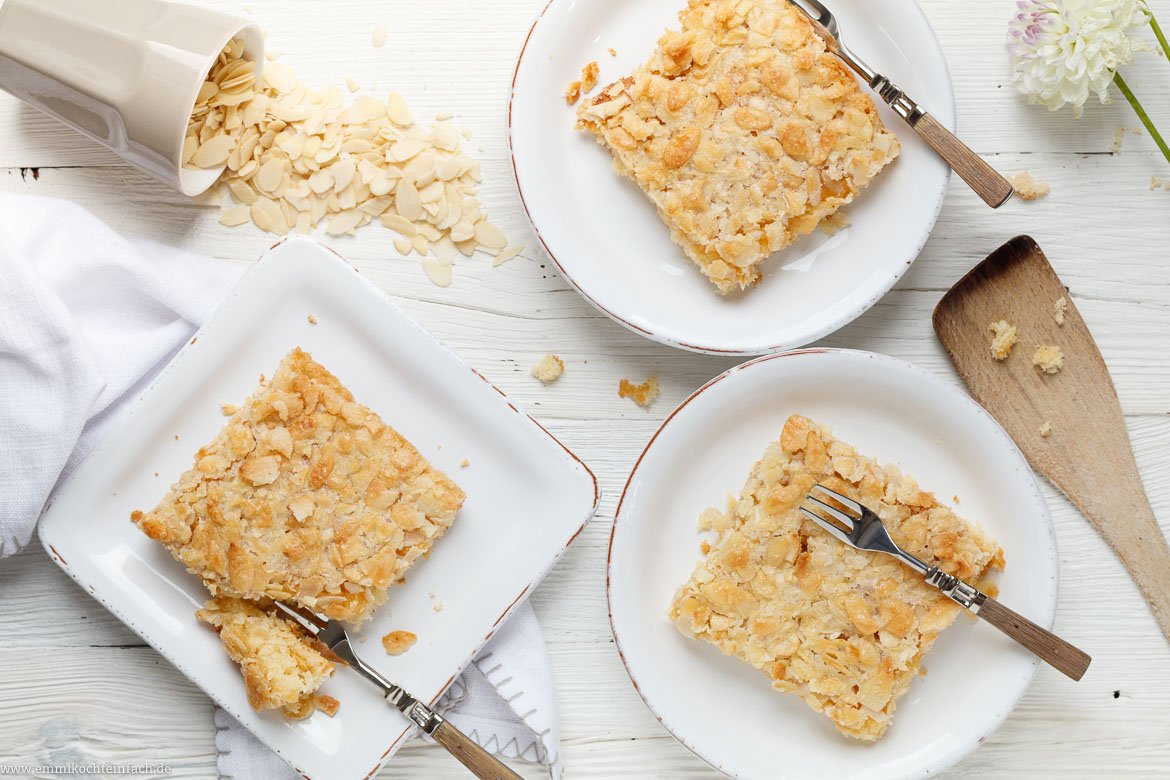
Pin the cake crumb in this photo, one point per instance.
(438, 606)
(573, 93)
(1046, 429)
(955, 498)
(643, 395)
(327, 704)
(1048, 359)
(589, 76)
(1156, 183)
(549, 369)
(1118, 137)
(312, 319)
(176, 437)
(1027, 187)
(1003, 338)
(704, 547)
(612, 51)
(1058, 310)
(398, 642)
(834, 224)
(465, 463)
(228, 409)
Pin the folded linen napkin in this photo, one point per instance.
(87, 319)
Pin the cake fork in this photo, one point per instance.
(988, 184)
(332, 634)
(860, 528)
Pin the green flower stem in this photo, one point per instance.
(1142, 115)
(1158, 33)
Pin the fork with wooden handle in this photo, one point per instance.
(860, 528)
(988, 184)
(332, 634)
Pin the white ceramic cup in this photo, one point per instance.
(123, 72)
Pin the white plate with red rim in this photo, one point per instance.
(724, 710)
(608, 241)
(527, 499)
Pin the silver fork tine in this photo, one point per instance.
(312, 625)
(844, 500)
(848, 520)
(832, 528)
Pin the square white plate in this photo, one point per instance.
(527, 498)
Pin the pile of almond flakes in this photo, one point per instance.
(296, 157)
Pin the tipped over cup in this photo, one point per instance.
(126, 73)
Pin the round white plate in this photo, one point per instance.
(608, 241)
(724, 710)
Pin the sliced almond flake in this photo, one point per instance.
(437, 271)
(446, 136)
(236, 215)
(403, 245)
(342, 223)
(398, 111)
(321, 181)
(408, 201)
(462, 231)
(209, 197)
(421, 245)
(273, 54)
(398, 224)
(304, 223)
(378, 39)
(402, 151)
(270, 175)
(507, 255)
(444, 250)
(190, 146)
(490, 236)
(466, 247)
(280, 77)
(260, 216)
(352, 85)
(381, 185)
(214, 153)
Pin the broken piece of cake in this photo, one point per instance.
(282, 665)
(307, 497)
(844, 629)
(743, 131)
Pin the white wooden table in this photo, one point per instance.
(76, 685)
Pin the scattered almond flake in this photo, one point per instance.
(379, 36)
(834, 224)
(549, 369)
(1048, 359)
(1155, 183)
(573, 93)
(1118, 137)
(643, 395)
(1027, 187)
(507, 254)
(1003, 338)
(236, 215)
(352, 85)
(438, 606)
(312, 318)
(612, 51)
(1058, 310)
(228, 409)
(327, 704)
(438, 271)
(444, 116)
(398, 642)
(589, 76)
(465, 463)
(273, 54)
(1046, 429)
(296, 158)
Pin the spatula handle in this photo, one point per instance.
(1047, 646)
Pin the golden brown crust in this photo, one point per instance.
(281, 664)
(306, 496)
(743, 131)
(845, 630)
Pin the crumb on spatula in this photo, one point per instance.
(1003, 338)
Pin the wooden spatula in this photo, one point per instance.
(1088, 454)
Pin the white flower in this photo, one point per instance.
(1061, 50)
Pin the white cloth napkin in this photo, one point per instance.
(87, 318)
